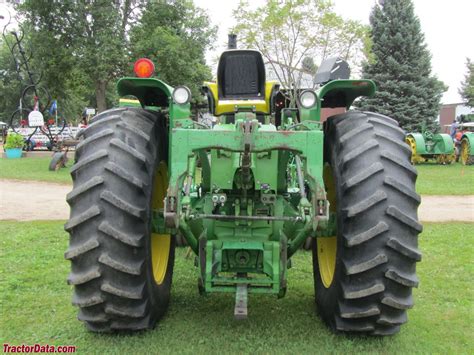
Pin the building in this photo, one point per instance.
(450, 112)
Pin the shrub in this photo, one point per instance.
(14, 140)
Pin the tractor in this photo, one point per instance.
(466, 154)
(245, 194)
(431, 146)
(465, 140)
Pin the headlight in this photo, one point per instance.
(181, 95)
(308, 99)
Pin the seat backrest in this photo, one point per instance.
(241, 75)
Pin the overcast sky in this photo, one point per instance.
(447, 25)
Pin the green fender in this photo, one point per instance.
(149, 91)
(152, 92)
(443, 144)
(420, 142)
(470, 137)
(342, 93)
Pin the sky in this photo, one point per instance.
(447, 26)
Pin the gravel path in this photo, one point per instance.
(33, 200)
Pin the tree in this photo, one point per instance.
(9, 83)
(401, 68)
(85, 35)
(286, 32)
(85, 45)
(467, 86)
(175, 35)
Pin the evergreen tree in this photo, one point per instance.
(401, 68)
(467, 86)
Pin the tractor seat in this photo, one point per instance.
(241, 75)
(240, 84)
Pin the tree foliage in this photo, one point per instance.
(83, 46)
(288, 31)
(467, 86)
(175, 35)
(10, 88)
(85, 35)
(401, 68)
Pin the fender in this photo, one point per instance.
(153, 93)
(443, 144)
(342, 93)
(420, 142)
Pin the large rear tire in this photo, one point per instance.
(121, 273)
(369, 287)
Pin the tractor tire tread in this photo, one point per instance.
(110, 219)
(83, 188)
(377, 247)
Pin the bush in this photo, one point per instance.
(14, 140)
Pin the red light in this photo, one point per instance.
(144, 68)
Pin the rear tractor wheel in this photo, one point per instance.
(121, 270)
(415, 158)
(365, 273)
(466, 158)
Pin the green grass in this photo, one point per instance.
(33, 169)
(433, 179)
(454, 179)
(35, 304)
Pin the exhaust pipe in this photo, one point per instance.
(232, 41)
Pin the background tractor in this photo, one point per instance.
(262, 188)
(431, 146)
(465, 140)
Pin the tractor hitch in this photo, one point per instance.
(241, 300)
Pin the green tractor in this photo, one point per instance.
(245, 194)
(431, 146)
(465, 145)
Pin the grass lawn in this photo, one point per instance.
(433, 179)
(36, 304)
(454, 179)
(33, 169)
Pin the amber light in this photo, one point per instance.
(144, 68)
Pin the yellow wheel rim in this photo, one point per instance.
(160, 243)
(464, 151)
(327, 246)
(415, 158)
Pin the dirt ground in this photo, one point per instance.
(32, 200)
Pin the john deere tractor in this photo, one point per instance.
(245, 194)
(465, 145)
(427, 146)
